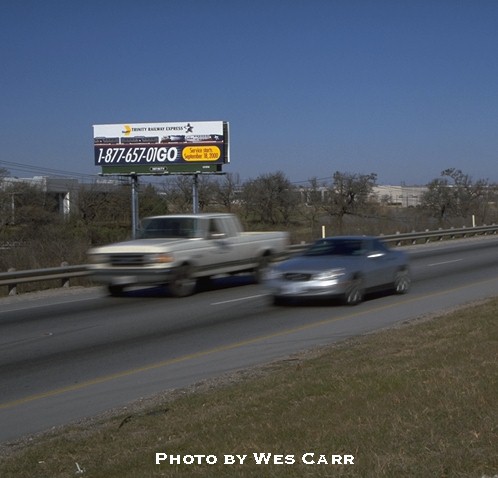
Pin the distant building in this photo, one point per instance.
(405, 196)
(65, 191)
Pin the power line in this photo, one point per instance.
(12, 166)
(30, 168)
(308, 180)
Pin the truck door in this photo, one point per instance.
(222, 243)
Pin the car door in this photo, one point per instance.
(381, 263)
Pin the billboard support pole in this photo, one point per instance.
(195, 194)
(134, 205)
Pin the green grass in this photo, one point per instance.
(420, 400)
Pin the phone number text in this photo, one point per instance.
(150, 154)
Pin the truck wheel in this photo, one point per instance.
(183, 283)
(115, 290)
(261, 268)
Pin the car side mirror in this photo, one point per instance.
(376, 254)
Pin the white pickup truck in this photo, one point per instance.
(180, 249)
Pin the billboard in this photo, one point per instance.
(161, 148)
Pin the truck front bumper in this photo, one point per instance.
(127, 277)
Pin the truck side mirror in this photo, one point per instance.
(216, 235)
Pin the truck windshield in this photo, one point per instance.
(170, 227)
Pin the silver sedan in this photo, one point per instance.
(344, 266)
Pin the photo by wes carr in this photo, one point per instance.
(308, 458)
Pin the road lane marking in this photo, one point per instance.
(443, 263)
(249, 297)
(23, 306)
(223, 348)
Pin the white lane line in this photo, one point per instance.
(443, 263)
(23, 305)
(238, 300)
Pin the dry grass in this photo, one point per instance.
(415, 401)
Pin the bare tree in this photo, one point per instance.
(456, 195)
(312, 199)
(151, 202)
(207, 192)
(226, 191)
(178, 191)
(105, 204)
(438, 199)
(348, 194)
(269, 199)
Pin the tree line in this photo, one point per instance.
(343, 205)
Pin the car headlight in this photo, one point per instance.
(330, 274)
(160, 258)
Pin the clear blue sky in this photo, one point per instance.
(401, 88)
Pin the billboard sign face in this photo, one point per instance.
(161, 148)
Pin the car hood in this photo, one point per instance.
(314, 264)
(143, 245)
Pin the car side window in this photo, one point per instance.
(354, 248)
(379, 246)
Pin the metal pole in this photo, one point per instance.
(134, 206)
(195, 194)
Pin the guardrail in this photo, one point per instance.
(12, 278)
(439, 235)
(412, 238)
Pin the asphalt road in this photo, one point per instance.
(66, 355)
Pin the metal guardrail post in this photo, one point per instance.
(12, 288)
(64, 280)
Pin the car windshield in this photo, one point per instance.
(336, 247)
(170, 227)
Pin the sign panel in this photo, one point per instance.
(161, 148)
(159, 170)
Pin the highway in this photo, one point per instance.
(67, 355)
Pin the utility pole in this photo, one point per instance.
(134, 205)
(195, 194)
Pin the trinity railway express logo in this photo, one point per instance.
(156, 133)
(128, 130)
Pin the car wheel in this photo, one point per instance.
(183, 283)
(354, 294)
(402, 282)
(277, 300)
